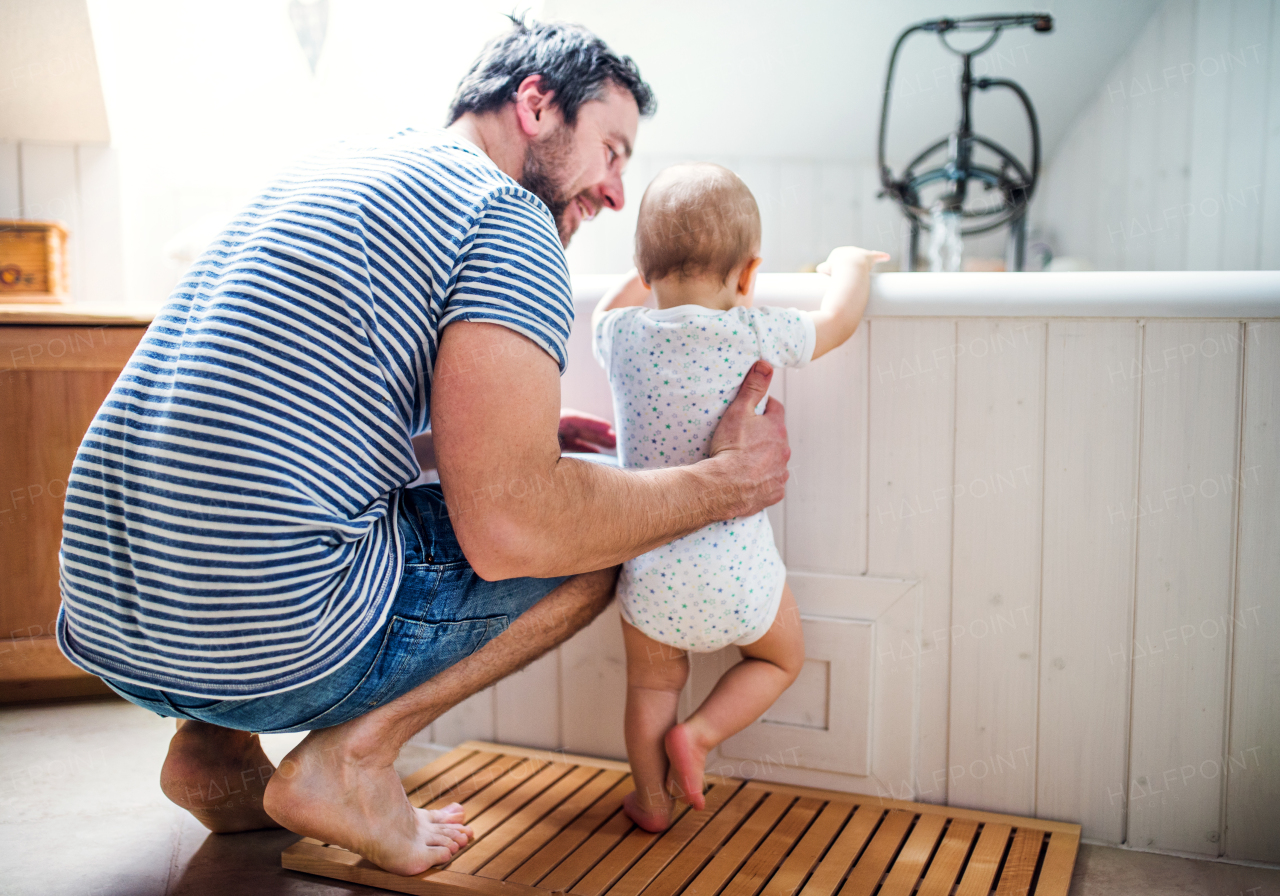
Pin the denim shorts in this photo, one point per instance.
(442, 613)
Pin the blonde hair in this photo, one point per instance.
(696, 220)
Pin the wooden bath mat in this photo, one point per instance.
(550, 823)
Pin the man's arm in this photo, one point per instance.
(846, 298)
(519, 509)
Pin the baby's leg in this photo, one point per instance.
(655, 675)
(741, 696)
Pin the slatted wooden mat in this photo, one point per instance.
(550, 823)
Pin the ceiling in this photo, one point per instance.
(803, 79)
(49, 88)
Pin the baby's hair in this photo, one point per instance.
(696, 220)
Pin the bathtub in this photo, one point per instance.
(1033, 527)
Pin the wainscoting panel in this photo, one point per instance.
(1185, 577)
(1066, 603)
(1092, 388)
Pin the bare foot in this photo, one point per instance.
(219, 776)
(653, 819)
(688, 758)
(325, 790)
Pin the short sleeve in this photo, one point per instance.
(602, 336)
(511, 271)
(786, 336)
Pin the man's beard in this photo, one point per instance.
(543, 163)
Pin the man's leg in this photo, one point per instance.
(339, 785)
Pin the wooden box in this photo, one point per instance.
(33, 261)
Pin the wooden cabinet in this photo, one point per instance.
(54, 374)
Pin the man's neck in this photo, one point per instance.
(497, 135)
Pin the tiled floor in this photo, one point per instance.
(81, 813)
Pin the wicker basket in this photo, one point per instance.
(33, 261)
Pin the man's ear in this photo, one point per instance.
(531, 103)
(748, 274)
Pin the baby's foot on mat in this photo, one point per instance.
(654, 820)
(688, 760)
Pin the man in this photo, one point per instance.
(240, 550)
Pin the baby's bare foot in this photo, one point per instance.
(688, 758)
(324, 791)
(654, 819)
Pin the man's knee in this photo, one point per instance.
(572, 606)
(591, 593)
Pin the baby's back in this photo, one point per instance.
(674, 371)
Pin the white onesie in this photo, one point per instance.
(673, 372)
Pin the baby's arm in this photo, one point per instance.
(630, 292)
(850, 270)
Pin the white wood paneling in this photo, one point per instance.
(526, 708)
(50, 192)
(848, 725)
(10, 184)
(761, 177)
(1269, 256)
(1091, 436)
(1252, 766)
(839, 207)
(826, 509)
(472, 719)
(996, 564)
(1209, 116)
(910, 489)
(1186, 524)
(798, 202)
(838, 741)
(593, 688)
(1190, 179)
(1109, 180)
(1173, 144)
(1246, 132)
(1142, 141)
(101, 246)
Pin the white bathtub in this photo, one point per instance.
(1034, 527)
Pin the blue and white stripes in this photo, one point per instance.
(230, 528)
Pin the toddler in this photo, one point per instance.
(673, 372)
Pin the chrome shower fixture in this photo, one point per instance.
(953, 212)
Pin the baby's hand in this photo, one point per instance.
(851, 260)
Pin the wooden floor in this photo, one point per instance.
(551, 823)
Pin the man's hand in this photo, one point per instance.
(585, 432)
(519, 508)
(754, 446)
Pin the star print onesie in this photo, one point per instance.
(673, 373)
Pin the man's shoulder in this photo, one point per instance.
(430, 166)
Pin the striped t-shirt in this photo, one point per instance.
(230, 522)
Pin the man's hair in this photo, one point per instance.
(696, 220)
(572, 61)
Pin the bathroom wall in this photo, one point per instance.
(77, 184)
(1035, 558)
(1175, 164)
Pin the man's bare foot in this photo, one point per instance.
(688, 758)
(654, 819)
(219, 776)
(328, 790)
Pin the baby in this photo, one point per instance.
(673, 372)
